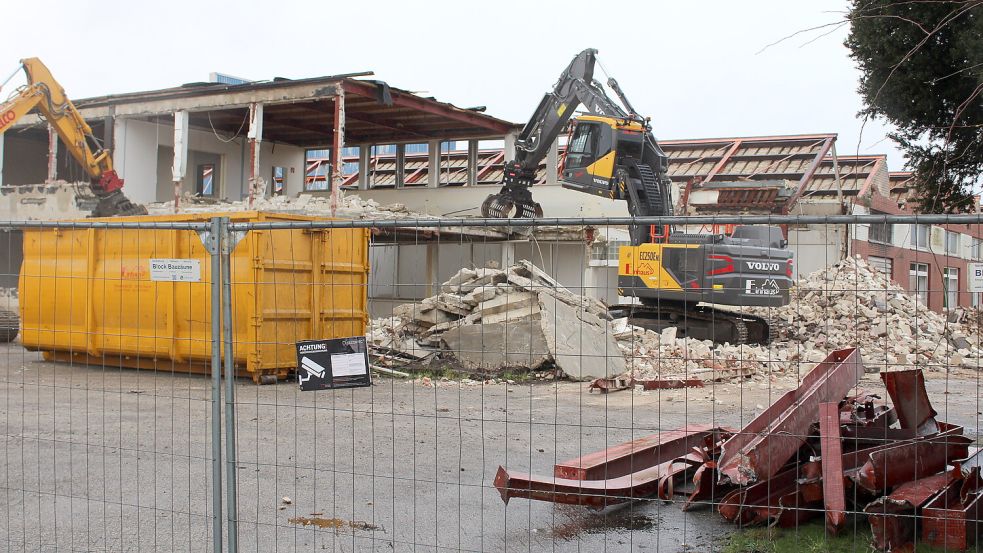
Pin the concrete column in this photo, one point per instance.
(107, 130)
(400, 165)
(433, 150)
(52, 154)
(433, 277)
(257, 184)
(553, 162)
(472, 162)
(508, 255)
(337, 143)
(180, 166)
(364, 157)
(510, 139)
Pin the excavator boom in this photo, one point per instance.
(42, 92)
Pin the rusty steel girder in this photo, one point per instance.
(909, 461)
(641, 468)
(834, 481)
(910, 399)
(892, 517)
(951, 520)
(765, 444)
(629, 457)
(593, 493)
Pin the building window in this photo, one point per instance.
(951, 243)
(919, 236)
(883, 264)
(279, 180)
(950, 287)
(881, 232)
(205, 179)
(606, 254)
(918, 282)
(977, 248)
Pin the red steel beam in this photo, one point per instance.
(909, 461)
(951, 519)
(810, 171)
(723, 161)
(910, 399)
(403, 99)
(766, 443)
(636, 455)
(592, 493)
(834, 490)
(892, 517)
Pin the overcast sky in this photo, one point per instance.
(695, 67)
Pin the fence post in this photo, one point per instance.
(213, 245)
(227, 244)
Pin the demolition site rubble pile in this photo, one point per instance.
(852, 304)
(493, 320)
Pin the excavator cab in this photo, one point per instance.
(595, 150)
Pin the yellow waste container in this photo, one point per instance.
(90, 295)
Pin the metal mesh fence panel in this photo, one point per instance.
(106, 428)
(746, 384)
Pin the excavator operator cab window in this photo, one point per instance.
(590, 142)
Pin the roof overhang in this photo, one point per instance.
(301, 112)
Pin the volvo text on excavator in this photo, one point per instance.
(611, 152)
(43, 92)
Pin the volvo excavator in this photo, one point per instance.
(43, 92)
(677, 278)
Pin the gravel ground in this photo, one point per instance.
(103, 459)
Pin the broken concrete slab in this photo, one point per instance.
(499, 346)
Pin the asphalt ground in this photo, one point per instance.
(108, 459)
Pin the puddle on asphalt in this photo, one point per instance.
(335, 523)
(601, 524)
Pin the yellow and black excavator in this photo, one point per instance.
(676, 277)
(44, 93)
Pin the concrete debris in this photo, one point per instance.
(653, 355)
(493, 320)
(350, 206)
(852, 304)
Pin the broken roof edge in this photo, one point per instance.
(309, 89)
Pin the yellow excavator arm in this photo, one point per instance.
(45, 94)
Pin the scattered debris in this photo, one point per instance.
(606, 385)
(815, 451)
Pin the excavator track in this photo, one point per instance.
(702, 322)
(9, 325)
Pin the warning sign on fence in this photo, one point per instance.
(339, 363)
